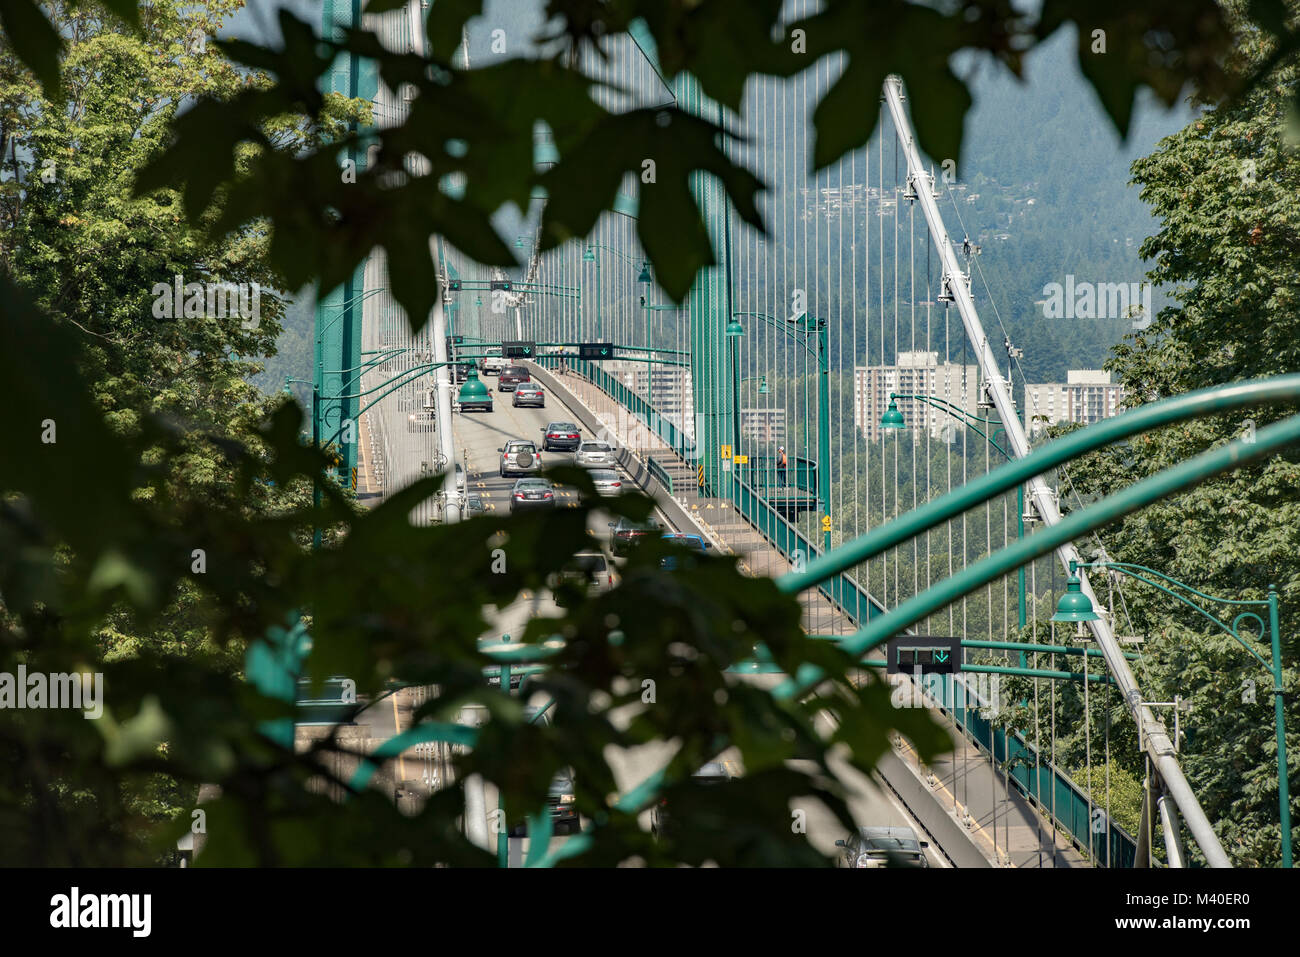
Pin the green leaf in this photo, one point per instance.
(35, 41)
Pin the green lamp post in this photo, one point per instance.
(1076, 606)
(892, 419)
(807, 325)
(472, 390)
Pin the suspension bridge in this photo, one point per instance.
(773, 413)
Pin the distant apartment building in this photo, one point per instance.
(914, 373)
(667, 387)
(1086, 396)
(762, 427)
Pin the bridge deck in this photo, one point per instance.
(1003, 825)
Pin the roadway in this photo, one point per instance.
(478, 437)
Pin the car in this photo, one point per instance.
(627, 533)
(882, 847)
(420, 421)
(561, 435)
(520, 457)
(594, 454)
(593, 569)
(530, 394)
(607, 481)
(510, 377)
(560, 798)
(712, 774)
(492, 365)
(460, 373)
(474, 506)
(531, 493)
(694, 543)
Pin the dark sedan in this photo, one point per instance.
(561, 435)
(627, 533)
(531, 493)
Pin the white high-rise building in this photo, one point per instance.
(915, 373)
(667, 387)
(1086, 396)
(762, 427)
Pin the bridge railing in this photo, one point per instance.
(762, 474)
(660, 474)
(1041, 782)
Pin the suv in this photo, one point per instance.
(561, 435)
(520, 457)
(510, 377)
(492, 365)
(627, 533)
(529, 393)
(593, 569)
(592, 454)
(882, 847)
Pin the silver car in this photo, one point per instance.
(882, 847)
(520, 457)
(530, 394)
(593, 454)
(607, 482)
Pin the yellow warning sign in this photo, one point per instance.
(701, 476)
(354, 480)
(826, 523)
(726, 451)
(741, 460)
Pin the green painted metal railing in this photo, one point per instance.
(761, 473)
(1040, 781)
(638, 406)
(843, 591)
(660, 474)
(1071, 803)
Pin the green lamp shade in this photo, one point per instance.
(762, 386)
(589, 255)
(734, 329)
(473, 390)
(893, 419)
(478, 300)
(519, 242)
(645, 274)
(1074, 604)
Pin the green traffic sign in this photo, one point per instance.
(930, 654)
